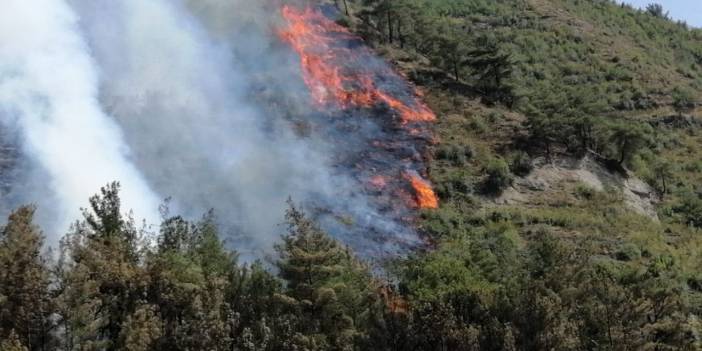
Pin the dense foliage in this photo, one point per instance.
(118, 287)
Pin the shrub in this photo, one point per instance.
(477, 125)
(521, 164)
(458, 155)
(628, 252)
(683, 99)
(585, 192)
(690, 210)
(498, 176)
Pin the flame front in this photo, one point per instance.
(342, 74)
(425, 196)
(314, 39)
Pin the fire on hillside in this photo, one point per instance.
(345, 78)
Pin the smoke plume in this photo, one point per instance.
(202, 102)
(48, 94)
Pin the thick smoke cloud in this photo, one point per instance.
(48, 94)
(180, 100)
(203, 99)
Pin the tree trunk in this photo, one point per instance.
(389, 20)
(399, 34)
(455, 69)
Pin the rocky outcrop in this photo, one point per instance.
(551, 177)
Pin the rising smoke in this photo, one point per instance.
(48, 93)
(196, 100)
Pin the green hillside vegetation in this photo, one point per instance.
(516, 85)
(518, 81)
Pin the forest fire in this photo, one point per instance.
(425, 196)
(419, 114)
(386, 126)
(309, 33)
(313, 37)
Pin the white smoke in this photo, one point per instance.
(49, 91)
(181, 83)
(179, 95)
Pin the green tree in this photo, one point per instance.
(609, 311)
(628, 139)
(663, 172)
(690, 210)
(189, 279)
(657, 10)
(451, 51)
(100, 277)
(493, 68)
(329, 287)
(262, 317)
(25, 303)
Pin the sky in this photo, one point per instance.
(687, 10)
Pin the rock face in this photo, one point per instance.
(551, 176)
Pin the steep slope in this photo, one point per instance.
(581, 77)
(596, 102)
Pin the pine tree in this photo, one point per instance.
(493, 68)
(663, 172)
(190, 277)
(261, 315)
(25, 303)
(628, 140)
(101, 280)
(329, 286)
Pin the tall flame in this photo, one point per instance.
(313, 37)
(342, 75)
(425, 196)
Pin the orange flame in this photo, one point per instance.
(425, 196)
(309, 34)
(422, 114)
(327, 70)
(312, 35)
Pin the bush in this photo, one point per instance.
(477, 125)
(628, 252)
(521, 164)
(690, 210)
(458, 155)
(683, 99)
(498, 176)
(585, 191)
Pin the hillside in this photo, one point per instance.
(540, 190)
(590, 142)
